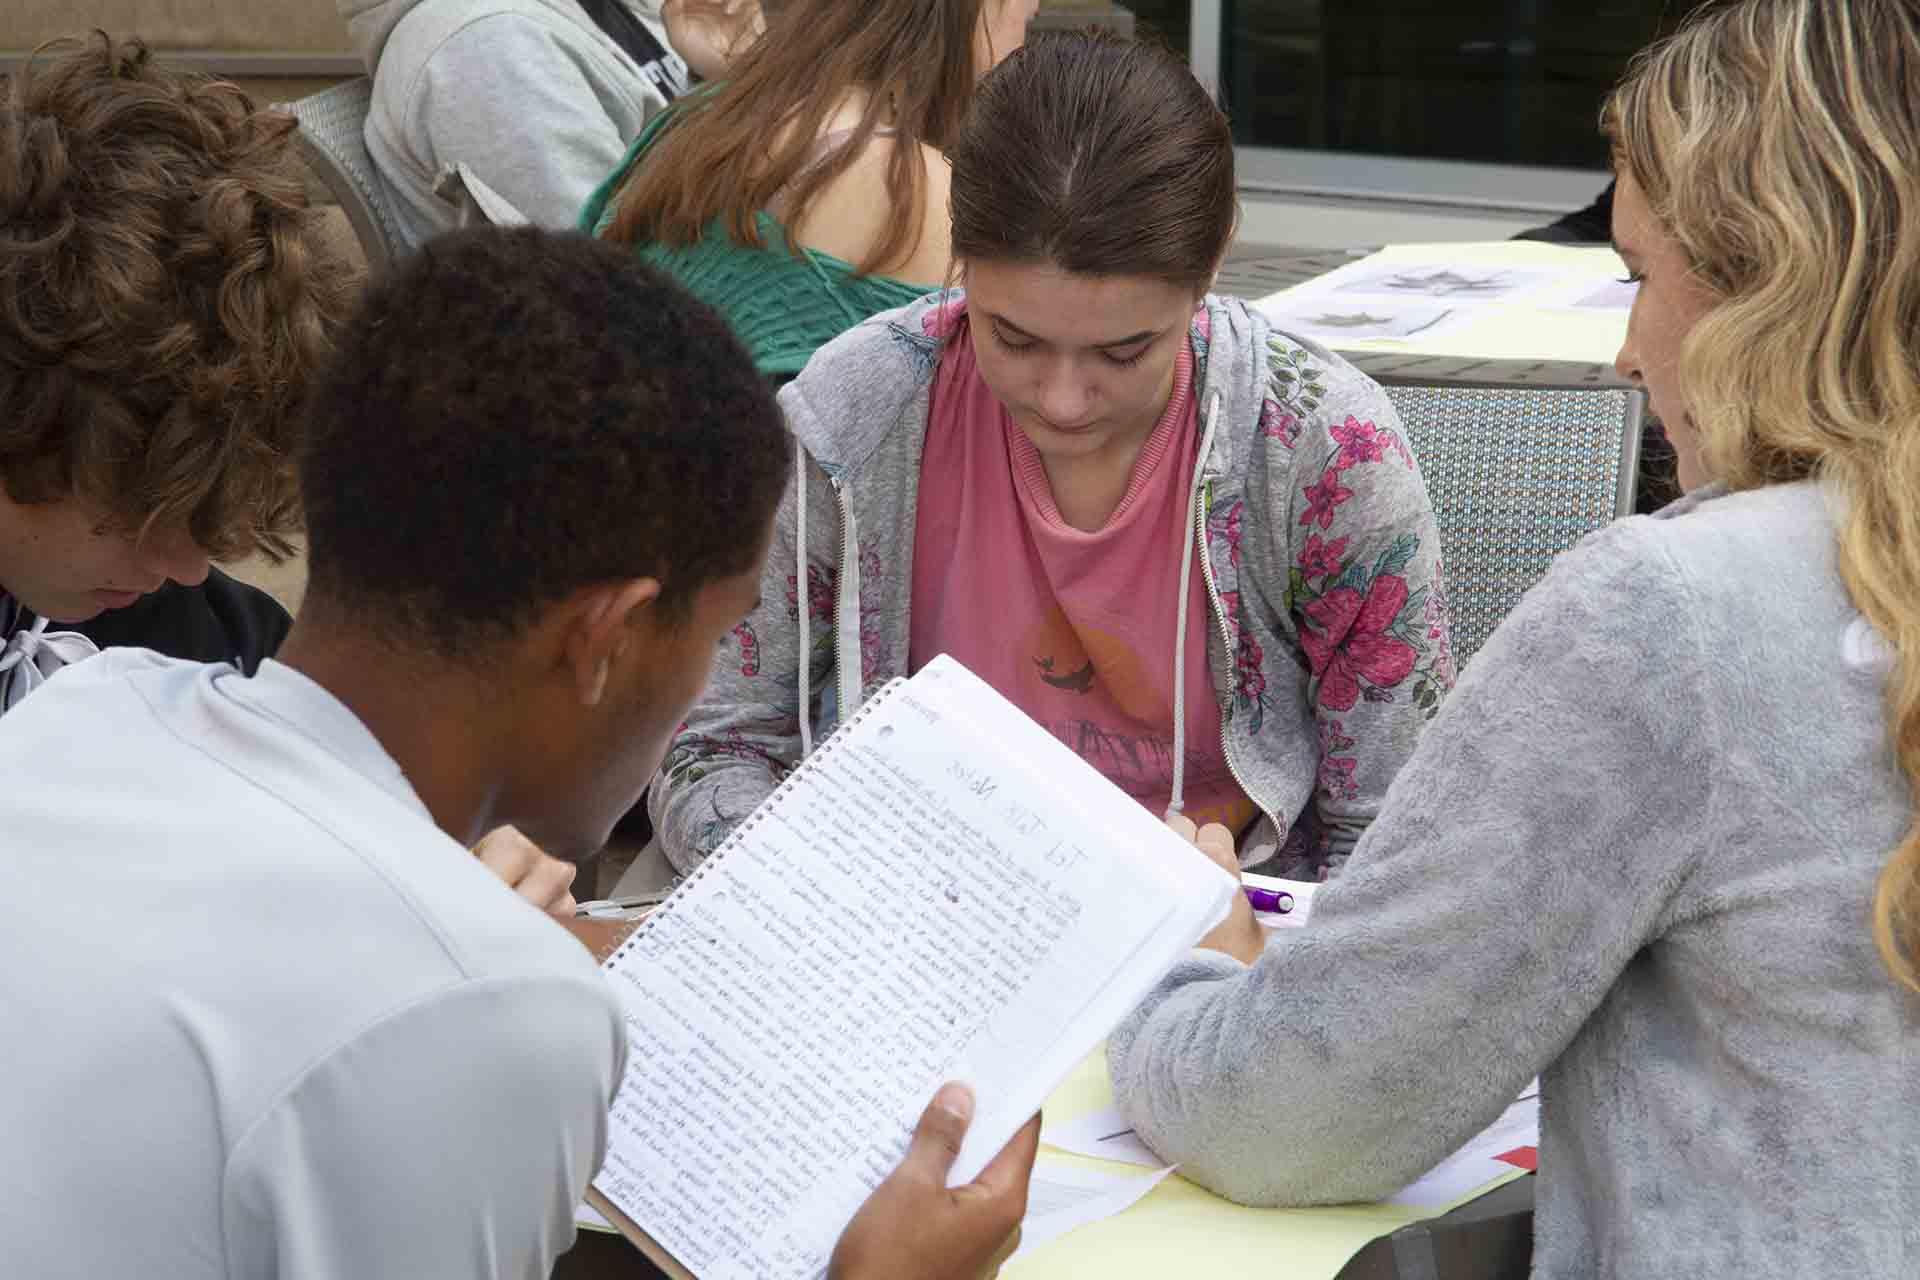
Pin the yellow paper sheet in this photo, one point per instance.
(1181, 1230)
(1534, 325)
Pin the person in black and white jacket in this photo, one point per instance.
(147, 406)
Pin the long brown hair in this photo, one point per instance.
(1099, 155)
(164, 299)
(914, 59)
(1776, 141)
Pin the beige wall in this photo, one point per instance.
(229, 26)
(277, 50)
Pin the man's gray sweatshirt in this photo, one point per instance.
(529, 94)
(1635, 853)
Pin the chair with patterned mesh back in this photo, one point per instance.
(1517, 475)
(333, 144)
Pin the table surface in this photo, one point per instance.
(1489, 1238)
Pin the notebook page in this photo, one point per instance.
(1132, 843)
(1091, 829)
(892, 917)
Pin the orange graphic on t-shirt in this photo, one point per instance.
(1084, 659)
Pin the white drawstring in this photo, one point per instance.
(1177, 802)
(28, 658)
(803, 597)
(21, 645)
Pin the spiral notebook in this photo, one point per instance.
(943, 890)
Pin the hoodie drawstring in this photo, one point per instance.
(28, 657)
(802, 598)
(1177, 802)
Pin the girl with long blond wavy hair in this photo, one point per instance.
(1660, 845)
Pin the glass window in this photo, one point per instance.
(1168, 21)
(1512, 82)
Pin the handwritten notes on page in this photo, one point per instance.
(934, 895)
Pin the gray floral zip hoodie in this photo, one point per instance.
(1330, 648)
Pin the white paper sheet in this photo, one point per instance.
(1060, 1199)
(1511, 300)
(1475, 1164)
(1104, 1135)
(1608, 295)
(1302, 891)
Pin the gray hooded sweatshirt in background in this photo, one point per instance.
(530, 94)
(1636, 852)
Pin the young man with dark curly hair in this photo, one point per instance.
(163, 307)
(306, 1035)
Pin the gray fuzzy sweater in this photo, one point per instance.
(1635, 853)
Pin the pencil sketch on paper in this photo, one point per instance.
(1442, 283)
(1614, 295)
(1337, 324)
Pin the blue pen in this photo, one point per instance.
(1275, 901)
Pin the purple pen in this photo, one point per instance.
(1275, 901)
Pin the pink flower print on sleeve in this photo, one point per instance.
(1230, 607)
(1224, 527)
(1249, 681)
(1398, 443)
(1354, 642)
(1439, 638)
(1321, 558)
(1277, 424)
(1333, 737)
(820, 589)
(1324, 497)
(872, 576)
(749, 649)
(1336, 777)
(1359, 442)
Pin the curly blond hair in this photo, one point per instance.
(163, 301)
(1777, 141)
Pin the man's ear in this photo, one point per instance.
(600, 629)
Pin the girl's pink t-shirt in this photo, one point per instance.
(1075, 628)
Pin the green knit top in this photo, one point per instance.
(783, 307)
